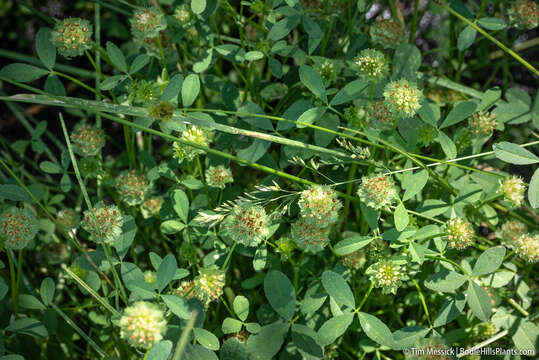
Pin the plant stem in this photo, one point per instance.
(413, 28)
(14, 287)
(441, 258)
(371, 286)
(423, 302)
(229, 255)
(184, 337)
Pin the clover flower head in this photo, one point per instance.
(163, 110)
(386, 275)
(309, 236)
(72, 36)
(218, 176)
(510, 231)
(403, 98)
(372, 64)
(319, 204)
(151, 207)
(107, 225)
(379, 116)
(247, 224)
(285, 246)
(132, 187)
(147, 92)
(513, 190)
(150, 277)
(377, 191)
(482, 123)
(183, 14)
(387, 33)
(209, 284)
(459, 233)
(87, 140)
(143, 324)
(527, 247)
(147, 23)
(485, 330)
(355, 260)
(17, 228)
(67, 218)
(427, 134)
(195, 135)
(524, 14)
(327, 71)
(354, 116)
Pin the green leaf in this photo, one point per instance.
(206, 339)
(203, 62)
(416, 183)
(266, 344)
(312, 81)
(170, 227)
(407, 336)
(260, 258)
(181, 204)
(448, 146)
(460, 111)
(350, 92)
(231, 325)
(13, 193)
(22, 72)
(333, 328)
(533, 190)
(478, 300)
(489, 261)
(406, 61)
(466, 38)
(314, 32)
(305, 340)
(111, 82)
(46, 290)
(254, 55)
(173, 89)
(124, 241)
(241, 307)
(283, 27)
(492, 23)
(116, 56)
(161, 351)
(450, 310)
(139, 63)
(338, 289)
(177, 306)
(50, 168)
(232, 349)
(280, 294)
(351, 244)
(198, 6)
(190, 89)
(45, 48)
(54, 85)
(490, 97)
(445, 281)
(375, 329)
(28, 326)
(401, 217)
(254, 151)
(514, 154)
(311, 115)
(166, 271)
(526, 336)
(3, 290)
(30, 302)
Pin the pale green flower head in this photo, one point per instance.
(386, 275)
(524, 14)
(527, 247)
(377, 191)
(510, 231)
(309, 236)
(218, 176)
(17, 228)
(319, 204)
(482, 123)
(513, 189)
(132, 187)
(403, 98)
(147, 23)
(247, 224)
(195, 135)
(143, 324)
(107, 224)
(387, 33)
(372, 64)
(72, 36)
(87, 140)
(459, 233)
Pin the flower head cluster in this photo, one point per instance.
(511, 231)
(355, 260)
(87, 140)
(482, 123)
(147, 23)
(527, 247)
(206, 287)
(434, 348)
(403, 98)
(247, 224)
(379, 116)
(146, 93)
(459, 233)
(72, 36)
(372, 64)
(218, 176)
(163, 110)
(377, 191)
(151, 207)
(513, 189)
(132, 187)
(387, 275)
(183, 14)
(309, 236)
(524, 14)
(327, 71)
(196, 135)
(17, 228)
(107, 224)
(67, 218)
(319, 204)
(143, 324)
(387, 33)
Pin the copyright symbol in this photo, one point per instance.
(406, 351)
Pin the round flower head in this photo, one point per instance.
(163, 110)
(147, 23)
(403, 98)
(459, 233)
(513, 189)
(146, 92)
(87, 140)
(218, 176)
(524, 14)
(206, 287)
(72, 36)
(107, 224)
(18, 227)
(527, 247)
(377, 191)
(196, 135)
(319, 204)
(183, 14)
(150, 277)
(379, 116)
(387, 33)
(326, 70)
(372, 64)
(485, 330)
(143, 324)
(151, 207)
(309, 236)
(132, 187)
(511, 231)
(482, 123)
(247, 224)
(285, 246)
(434, 348)
(67, 218)
(386, 275)
(354, 116)
(355, 260)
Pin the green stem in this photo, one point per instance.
(184, 337)
(229, 255)
(14, 288)
(76, 81)
(203, 179)
(371, 286)
(413, 28)
(440, 258)
(519, 308)
(423, 302)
